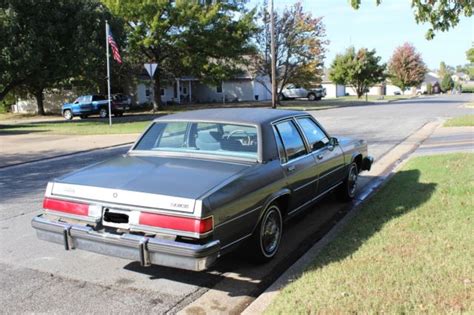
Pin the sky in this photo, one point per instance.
(384, 28)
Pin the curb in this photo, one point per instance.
(259, 305)
(63, 155)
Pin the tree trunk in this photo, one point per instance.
(39, 101)
(4, 92)
(157, 94)
(156, 89)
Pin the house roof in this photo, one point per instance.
(431, 77)
(254, 116)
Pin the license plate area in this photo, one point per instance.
(116, 218)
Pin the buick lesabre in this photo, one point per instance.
(198, 184)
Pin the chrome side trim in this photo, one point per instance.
(238, 217)
(306, 184)
(236, 241)
(334, 170)
(314, 199)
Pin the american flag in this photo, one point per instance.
(113, 45)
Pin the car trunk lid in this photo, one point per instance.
(152, 182)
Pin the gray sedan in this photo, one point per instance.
(198, 184)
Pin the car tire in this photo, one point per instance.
(265, 240)
(103, 113)
(311, 97)
(281, 97)
(67, 114)
(348, 188)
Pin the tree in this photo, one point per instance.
(470, 55)
(299, 45)
(360, 69)
(205, 39)
(447, 83)
(46, 44)
(441, 14)
(406, 67)
(443, 69)
(470, 67)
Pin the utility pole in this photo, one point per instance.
(273, 59)
(107, 31)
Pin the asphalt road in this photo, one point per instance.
(37, 276)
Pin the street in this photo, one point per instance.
(38, 276)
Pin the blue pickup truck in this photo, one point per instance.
(87, 105)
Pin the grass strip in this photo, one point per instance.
(409, 250)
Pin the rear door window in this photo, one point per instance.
(291, 138)
(317, 139)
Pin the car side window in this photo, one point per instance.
(317, 139)
(281, 149)
(291, 138)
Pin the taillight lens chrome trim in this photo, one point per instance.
(193, 225)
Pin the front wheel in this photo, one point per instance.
(67, 114)
(348, 188)
(103, 113)
(265, 241)
(311, 97)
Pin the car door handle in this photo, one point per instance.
(291, 168)
(320, 156)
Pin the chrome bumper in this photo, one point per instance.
(144, 249)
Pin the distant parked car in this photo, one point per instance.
(87, 105)
(292, 91)
(123, 99)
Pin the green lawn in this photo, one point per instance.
(462, 121)
(409, 250)
(77, 127)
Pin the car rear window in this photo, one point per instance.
(209, 138)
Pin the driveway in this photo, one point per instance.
(41, 277)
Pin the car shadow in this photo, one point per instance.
(370, 221)
(234, 274)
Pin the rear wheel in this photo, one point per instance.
(103, 113)
(67, 114)
(265, 241)
(348, 188)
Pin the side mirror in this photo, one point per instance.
(333, 142)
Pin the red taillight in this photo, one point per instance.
(176, 223)
(66, 206)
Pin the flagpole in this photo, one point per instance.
(108, 69)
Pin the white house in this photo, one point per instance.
(239, 89)
(333, 89)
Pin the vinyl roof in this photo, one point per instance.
(235, 115)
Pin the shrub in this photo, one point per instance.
(429, 88)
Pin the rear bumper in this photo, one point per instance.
(367, 163)
(144, 249)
